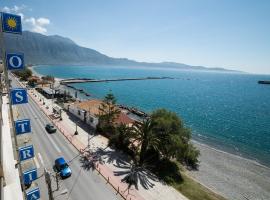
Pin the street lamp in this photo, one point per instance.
(61, 114)
(76, 132)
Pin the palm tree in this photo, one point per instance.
(122, 137)
(144, 139)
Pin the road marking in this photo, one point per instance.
(55, 146)
(40, 123)
(36, 162)
(41, 160)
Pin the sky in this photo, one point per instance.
(234, 34)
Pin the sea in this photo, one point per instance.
(228, 111)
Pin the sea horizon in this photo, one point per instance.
(200, 99)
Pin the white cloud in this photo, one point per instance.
(38, 25)
(16, 9)
(43, 21)
(39, 29)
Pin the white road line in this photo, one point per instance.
(41, 160)
(55, 146)
(39, 121)
(36, 162)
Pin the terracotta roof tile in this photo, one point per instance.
(123, 119)
(93, 106)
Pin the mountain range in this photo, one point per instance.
(40, 49)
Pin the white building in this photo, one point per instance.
(88, 112)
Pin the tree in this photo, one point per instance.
(158, 142)
(121, 139)
(174, 137)
(23, 74)
(32, 83)
(190, 156)
(144, 139)
(108, 112)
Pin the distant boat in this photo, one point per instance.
(264, 82)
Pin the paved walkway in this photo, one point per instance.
(87, 140)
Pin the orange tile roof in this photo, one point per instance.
(91, 105)
(34, 78)
(123, 119)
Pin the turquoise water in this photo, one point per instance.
(227, 111)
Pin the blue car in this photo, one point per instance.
(62, 167)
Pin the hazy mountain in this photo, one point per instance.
(52, 50)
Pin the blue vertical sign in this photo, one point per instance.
(33, 194)
(18, 96)
(26, 152)
(29, 176)
(11, 23)
(14, 61)
(22, 126)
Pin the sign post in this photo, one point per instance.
(22, 126)
(14, 61)
(33, 194)
(29, 176)
(10, 23)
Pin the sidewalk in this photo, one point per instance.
(107, 170)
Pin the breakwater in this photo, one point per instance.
(264, 82)
(89, 80)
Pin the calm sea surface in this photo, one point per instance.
(227, 111)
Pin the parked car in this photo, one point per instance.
(62, 167)
(50, 128)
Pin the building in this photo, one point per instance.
(35, 79)
(88, 112)
(50, 93)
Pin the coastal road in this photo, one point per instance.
(83, 184)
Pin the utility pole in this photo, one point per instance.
(49, 183)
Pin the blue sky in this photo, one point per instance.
(233, 34)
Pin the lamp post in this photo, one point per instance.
(61, 114)
(76, 132)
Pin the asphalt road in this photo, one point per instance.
(83, 184)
